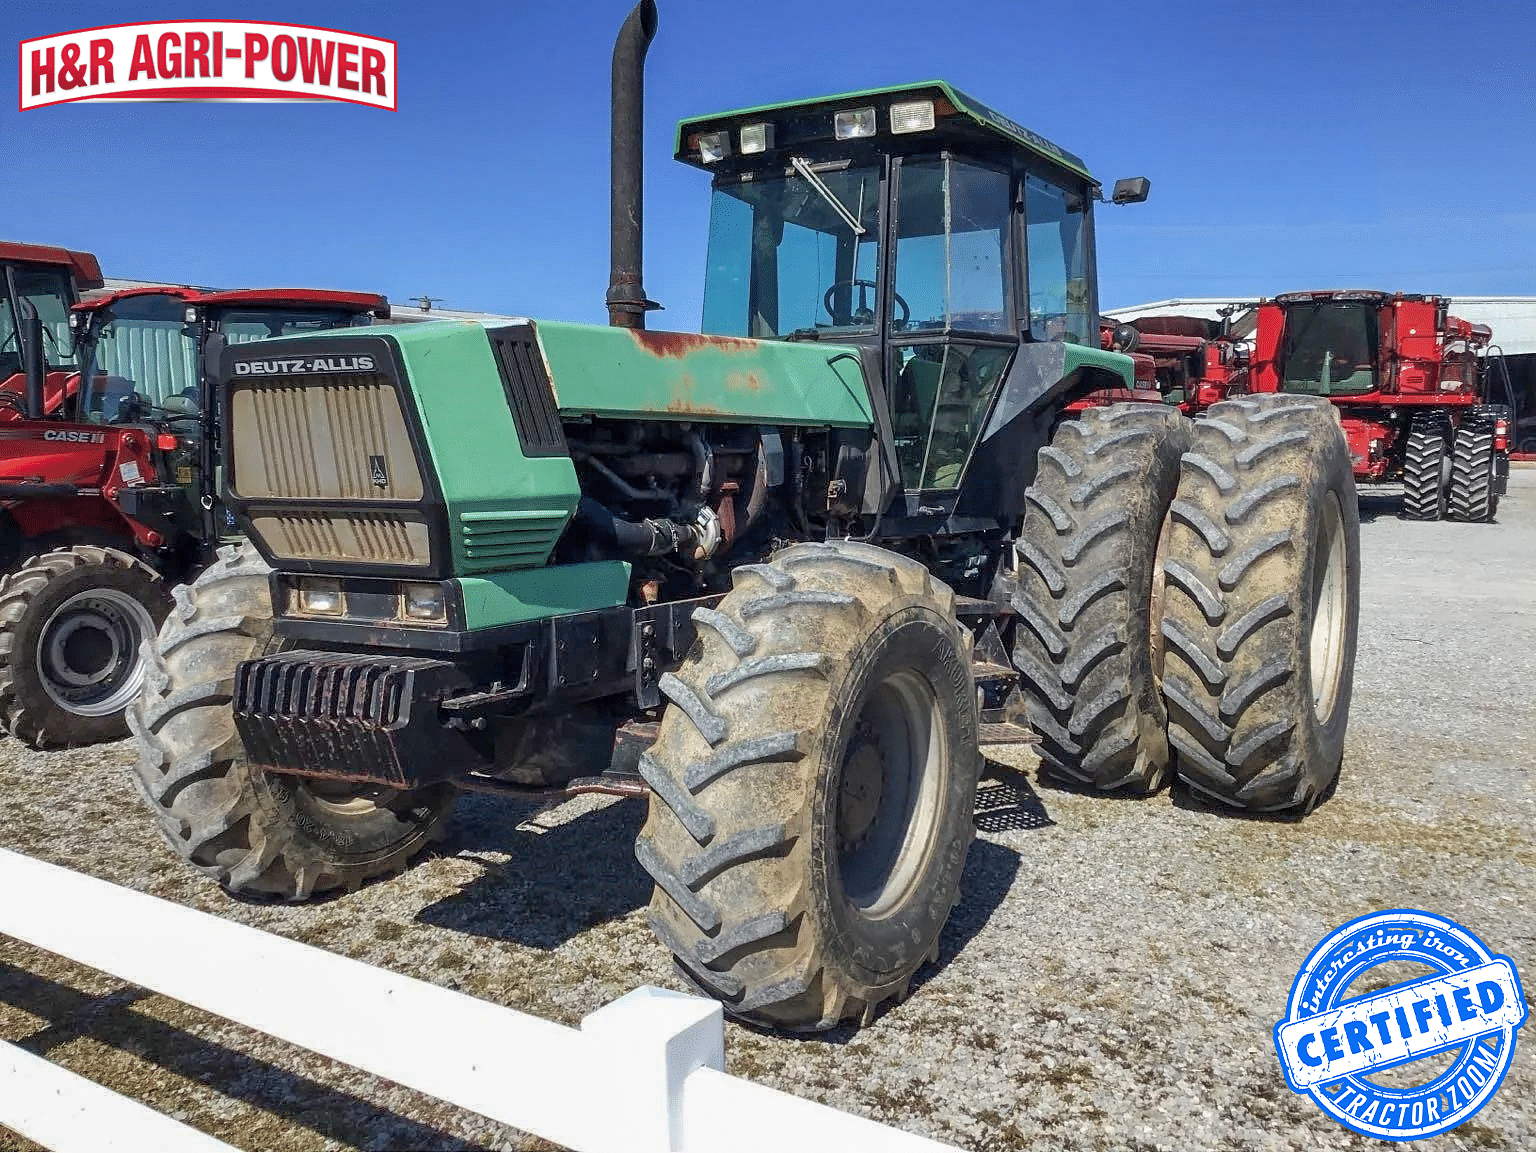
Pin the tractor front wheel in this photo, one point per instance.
(71, 625)
(257, 833)
(1263, 608)
(813, 786)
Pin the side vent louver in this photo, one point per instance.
(529, 395)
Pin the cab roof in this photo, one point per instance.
(953, 109)
(81, 265)
(255, 298)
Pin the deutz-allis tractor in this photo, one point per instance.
(785, 556)
(1410, 386)
(108, 487)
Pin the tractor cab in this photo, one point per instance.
(916, 223)
(41, 282)
(151, 356)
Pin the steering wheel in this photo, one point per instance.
(864, 314)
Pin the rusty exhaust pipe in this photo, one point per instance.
(627, 304)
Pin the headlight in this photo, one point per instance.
(423, 602)
(714, 146)
(913, 116)
(756, 138)
(854, 123)
(321, 596)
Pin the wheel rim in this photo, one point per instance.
(347, 798)
(1329, 608)
(88, 654)
(894, 772)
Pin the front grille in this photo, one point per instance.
(328, 436)
(346, 537)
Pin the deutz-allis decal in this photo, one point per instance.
(296, 365)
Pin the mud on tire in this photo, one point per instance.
(252, 831)
(814, 781)
(1263, 603)
(71, 625)
(1087, 642)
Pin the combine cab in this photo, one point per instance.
(108, 487)
(1409, 383)
(782, 577)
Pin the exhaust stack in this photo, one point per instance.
(627, 304)
(34, 365)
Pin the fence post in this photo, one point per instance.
(647, 1042)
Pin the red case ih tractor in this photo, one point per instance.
(108, 488)
(1409, 383)
(1197, 362)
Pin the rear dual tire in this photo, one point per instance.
(1474, 492)
(1088, 640)
(1263, 604)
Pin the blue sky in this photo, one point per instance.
(1289, 146)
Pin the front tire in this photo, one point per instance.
(813, 786)
(256, 833)
(1088, 643)
(72, 622)
(1263, 608)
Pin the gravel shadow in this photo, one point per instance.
(111, 1019)
(561, 878)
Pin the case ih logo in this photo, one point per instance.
(207, 60)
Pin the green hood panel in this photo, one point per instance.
(505, 510)
(598, 371)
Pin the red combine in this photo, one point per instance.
(108, 490)
(1408, 380)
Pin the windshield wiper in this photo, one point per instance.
(803, 167)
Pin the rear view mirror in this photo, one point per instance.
(1131, 190)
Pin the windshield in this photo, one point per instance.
(240, 325)
(144, 355)
(48, 289)
(1329, 348)
(784, 257)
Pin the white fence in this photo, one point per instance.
(657, 1056)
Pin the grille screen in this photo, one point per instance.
(328, 437)
(378, 538)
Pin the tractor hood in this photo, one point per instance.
(440, 449)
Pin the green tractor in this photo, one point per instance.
(768, 576)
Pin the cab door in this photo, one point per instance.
(950, 315)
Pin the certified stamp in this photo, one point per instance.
(1333, 1041)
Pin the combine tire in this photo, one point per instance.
(1424, 487)
(1474, 493)
(1263, 604)
(71, 624)
(814, 781)
(254, 832)
(1088, 643)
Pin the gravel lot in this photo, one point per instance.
(1110, 978)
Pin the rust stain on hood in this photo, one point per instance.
(679, 344)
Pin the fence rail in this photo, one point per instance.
(659, 1055)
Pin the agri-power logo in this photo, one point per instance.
(207, 60)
